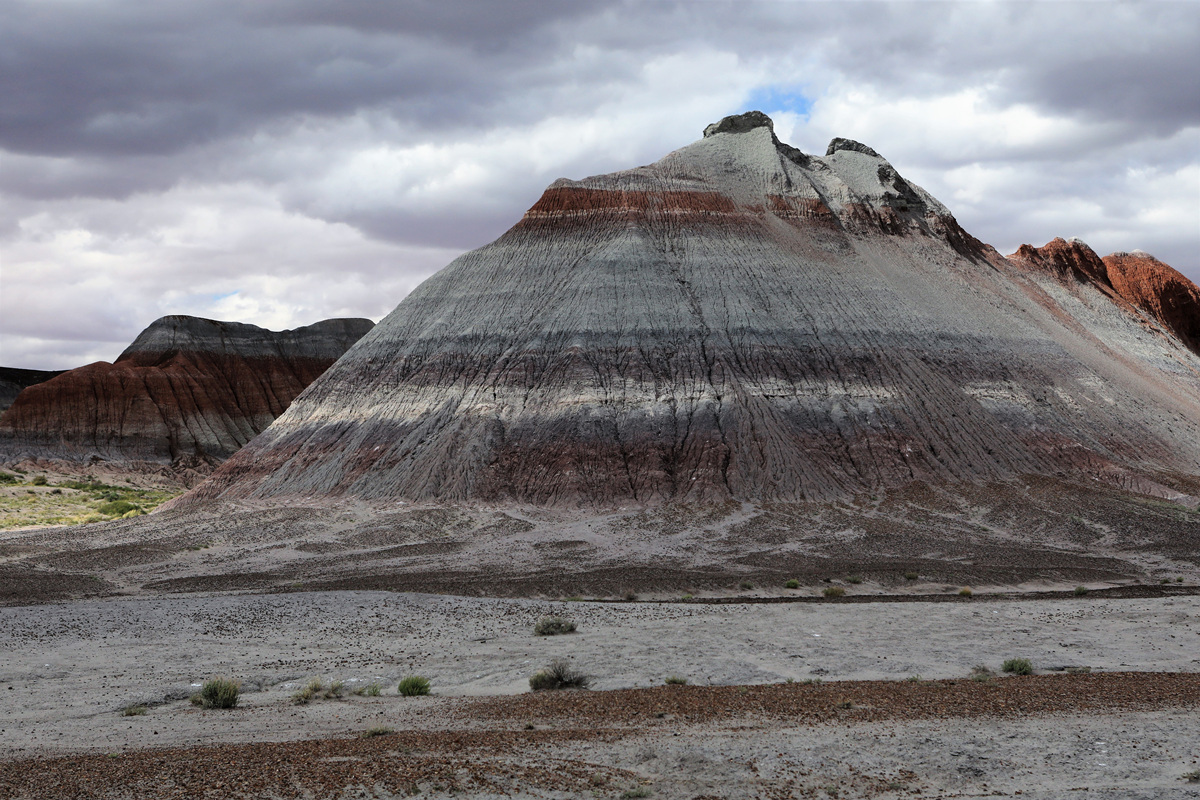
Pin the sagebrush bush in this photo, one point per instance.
(413, 686)
(137, 710)
(792, 584)
(855, 579)
(746, 585)
(370, 690)
(911, 576)
(1018, 666)
(40, 480)
(553, 626)
(558, 675)
(833, 591)
(965, 592)
(675, 680)
(220, 693)
(1081, 590)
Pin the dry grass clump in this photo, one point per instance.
(370, 690)
(378, 730)
(315, 689)
(792, 584)
(833, 591)
(553, 626)
(218, 693)
(558, 675)
(965, 592)
(982, 674)
(136, 710)
(413, 686)
(675, 680)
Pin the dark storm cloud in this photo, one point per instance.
(124, 78)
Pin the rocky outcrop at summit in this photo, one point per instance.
(738, 320)
(1137, 281)
(188, 391)
(14, 380)
(1156, 288)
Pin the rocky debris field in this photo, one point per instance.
(870, 700)
(1035, 736)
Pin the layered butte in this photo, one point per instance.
(188, 390)
(741, 320)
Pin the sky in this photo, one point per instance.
(284, 161)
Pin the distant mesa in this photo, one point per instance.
(187, 392)
(13, 380)
(743, 321)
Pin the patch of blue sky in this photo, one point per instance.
(777, 99)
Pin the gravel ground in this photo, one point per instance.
(1075, 735)
(737, 730)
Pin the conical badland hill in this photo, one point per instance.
(739, 320)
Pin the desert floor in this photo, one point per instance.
(848, 724)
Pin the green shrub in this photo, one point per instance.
(911, 576)
(675, 680)
(1080, 590)
(370, 690)
(7, 477)
(631, 794)
(792, 584)
(833, 591)
(855, 579)
(117, 508)
(746, 585)
(553, 626)
(137, 710)
(687, 597)
(1018, 666)
(220, 693)
(630, 596)
(413, 686)
(559, 675)
(40, 480)
(965, 592)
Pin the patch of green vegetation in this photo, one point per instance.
(833, 591)
(220, 693)
(1018, 666)
(792, 584)
(1080, 591)
(137, 710)
(413, 686)
(911, 576)
(965, 592)
(370, 690)
(855, 579)
(75, 503)
(675, 680)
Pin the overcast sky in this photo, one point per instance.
(282, 162)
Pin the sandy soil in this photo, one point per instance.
(67, 671)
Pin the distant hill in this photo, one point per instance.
(14, 379)
(188, 391)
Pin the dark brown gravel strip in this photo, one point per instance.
(873, 701)
(495, 752)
